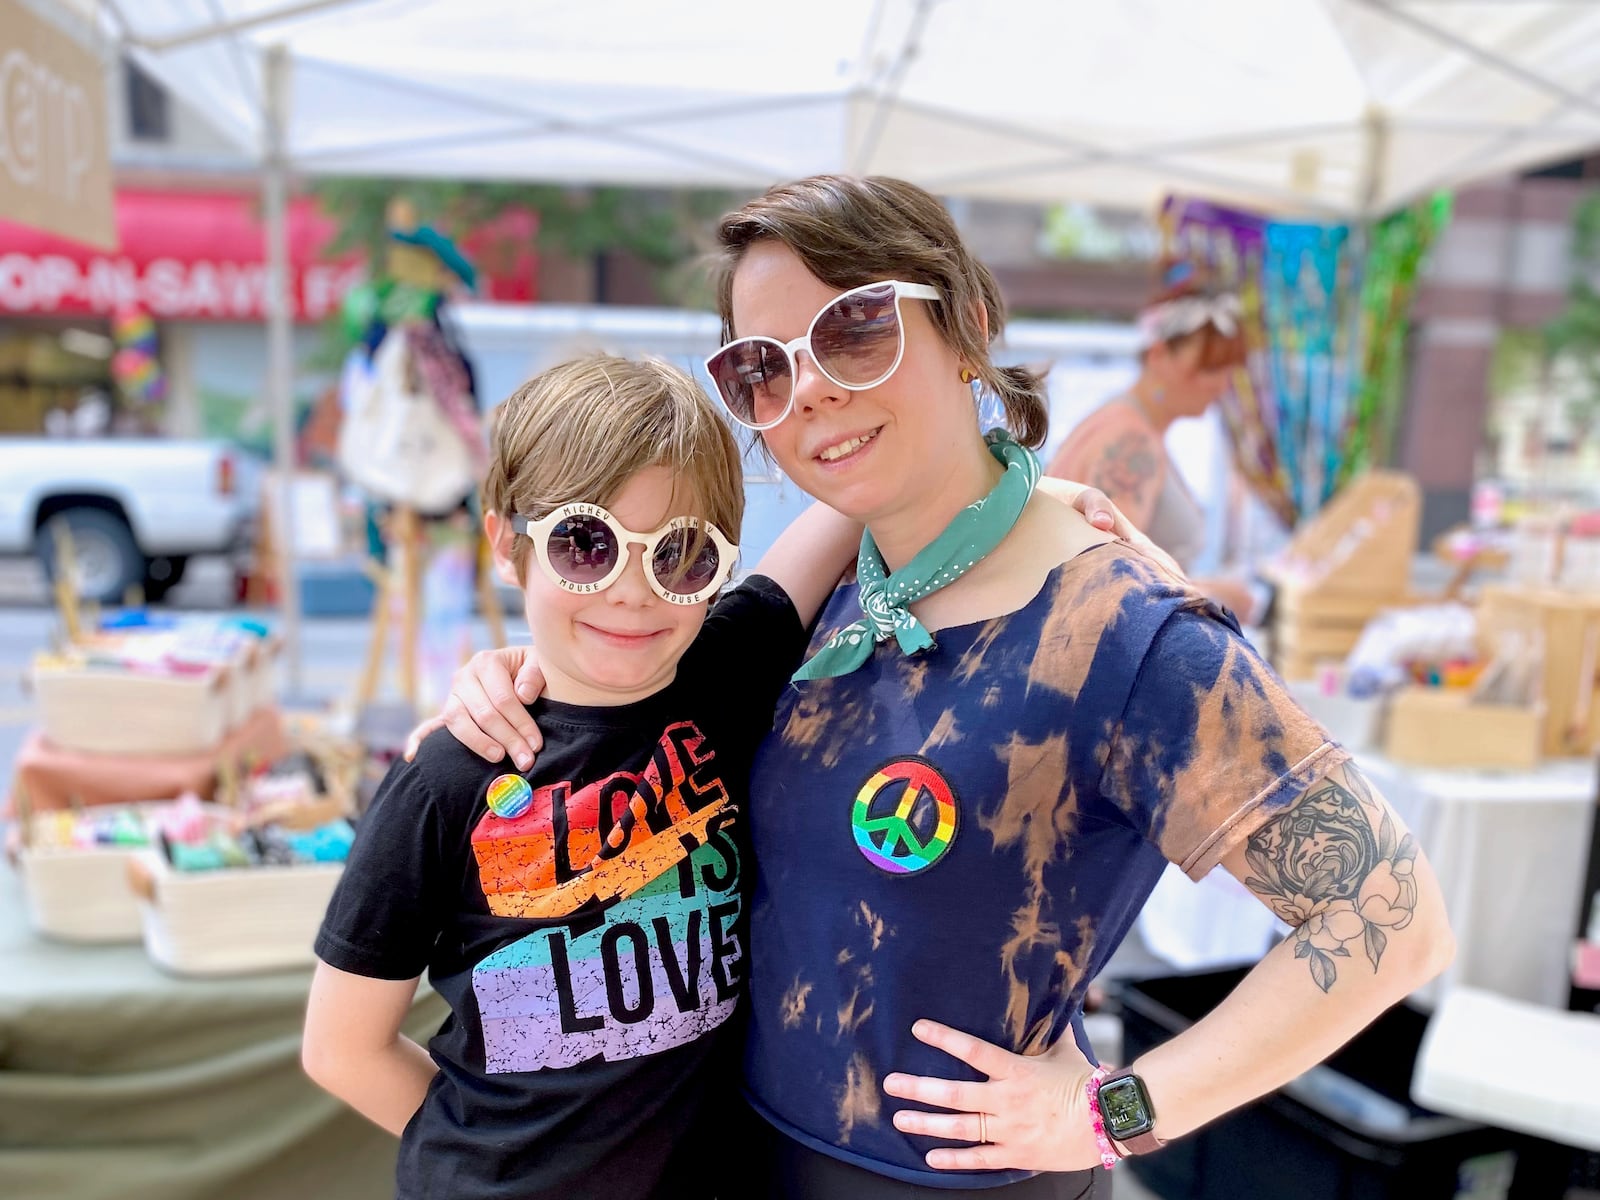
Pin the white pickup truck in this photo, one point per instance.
(136, 508)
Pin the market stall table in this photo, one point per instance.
(120, 1082)
(1509, 850)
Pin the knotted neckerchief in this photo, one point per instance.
(975, 531)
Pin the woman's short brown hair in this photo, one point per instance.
(580, 430)
(851, 230)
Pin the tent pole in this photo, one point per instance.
(280, 362)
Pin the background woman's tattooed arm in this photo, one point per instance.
(1338, 868)
(1130, 468)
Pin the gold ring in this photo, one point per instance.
(983, 1129)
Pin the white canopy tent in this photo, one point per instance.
(1342, 106)
(1345, 108)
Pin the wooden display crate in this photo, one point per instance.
(1343, 566)
(1436, 727)
(1568, 626)
(1362, 542)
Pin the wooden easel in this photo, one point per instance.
(403, 580)
(488, 598)
(400, 578)
(76, 613)
(68, 601)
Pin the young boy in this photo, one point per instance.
(584, 920)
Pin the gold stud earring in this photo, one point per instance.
(967, 375)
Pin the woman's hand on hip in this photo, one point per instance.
(1030, 1113)
(486, 711)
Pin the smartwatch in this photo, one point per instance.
(1129, 1117)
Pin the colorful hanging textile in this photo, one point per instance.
(1325, 309)
(1399, 244)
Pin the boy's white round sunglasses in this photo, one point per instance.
(857, 340)
(583, 549)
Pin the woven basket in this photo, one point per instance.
(81, 893)
(98, 710)
(231, 921)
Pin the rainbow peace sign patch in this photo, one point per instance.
(904, 817)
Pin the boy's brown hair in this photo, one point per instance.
(580, 430)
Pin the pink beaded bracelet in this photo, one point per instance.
(1091, 1089)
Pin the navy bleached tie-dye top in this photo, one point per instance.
(967, 834)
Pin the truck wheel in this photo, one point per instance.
(106, 559)
(162, 574)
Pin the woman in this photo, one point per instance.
(1190, 347)
(1008, 724)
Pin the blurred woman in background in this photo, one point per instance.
(1190, 345)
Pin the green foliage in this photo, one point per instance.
(1573, 336)
(1519, 358)
(661, 228)
(1397, 247)
(669, 231)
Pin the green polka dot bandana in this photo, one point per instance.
(975, 531)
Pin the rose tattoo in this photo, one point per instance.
(1323, 871)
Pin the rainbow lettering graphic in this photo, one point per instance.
(639, 877)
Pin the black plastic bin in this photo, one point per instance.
(1344, 1131)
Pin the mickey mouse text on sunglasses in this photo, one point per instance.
(583, 549)
(857, 340)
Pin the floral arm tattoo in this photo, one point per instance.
(1323, 869)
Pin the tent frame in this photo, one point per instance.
(880, 91)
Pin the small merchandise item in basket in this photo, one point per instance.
(259, 845)
(74, 864)
(324, 844)
(114, 827)
(246, 897)
(243, 643)
(295, 780)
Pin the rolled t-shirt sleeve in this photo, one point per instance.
(1211, 745)
(385, 914)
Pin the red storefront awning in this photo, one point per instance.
(194, 256)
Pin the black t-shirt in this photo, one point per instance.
(586, 924)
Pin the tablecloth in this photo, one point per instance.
(1509, 848)
(120, 1082)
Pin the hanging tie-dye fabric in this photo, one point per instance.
(1324, 312)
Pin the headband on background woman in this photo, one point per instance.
(1189, 314)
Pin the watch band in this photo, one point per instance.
(1139, 1143)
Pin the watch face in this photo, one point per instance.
(1125, 1108)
